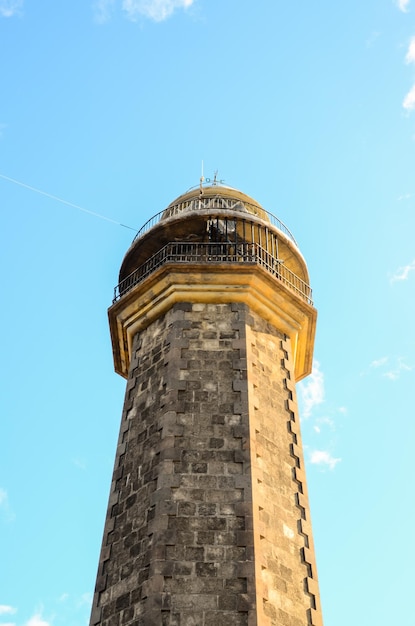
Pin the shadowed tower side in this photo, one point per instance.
(208, 519)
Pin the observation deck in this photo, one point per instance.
(214, 245)
(211, 225)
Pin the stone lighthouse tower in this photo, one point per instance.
(208, 519)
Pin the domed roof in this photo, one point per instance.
(215, 196)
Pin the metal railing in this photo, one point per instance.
(216, 202)
(218, 252)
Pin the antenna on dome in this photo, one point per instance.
(202, 178)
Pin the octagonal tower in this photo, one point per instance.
(208, 520)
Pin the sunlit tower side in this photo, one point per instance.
(208, 521)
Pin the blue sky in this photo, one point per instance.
(111, 105)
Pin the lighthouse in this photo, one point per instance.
(208, 520)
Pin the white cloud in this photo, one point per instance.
(326, 421)
(80, 464)
(5, 507)
(392, 375)
(8, 8)
(3, 501)
(103, 10)
(373, 37)
(63, 597)
(379, 362)
(37, 620)
(410, 55)
(405, 196)
(403, 272)
(6, 609)
(409, 100)
(85, 599)
(395, 373)
(312, 390)
(403, 5)
(322, 457)
(396, 365)
(157, 10)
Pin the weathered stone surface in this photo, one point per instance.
(208, 522)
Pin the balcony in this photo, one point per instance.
(216, 253)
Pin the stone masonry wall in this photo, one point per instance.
(286, 584)
(208, 519)
(178, 540)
